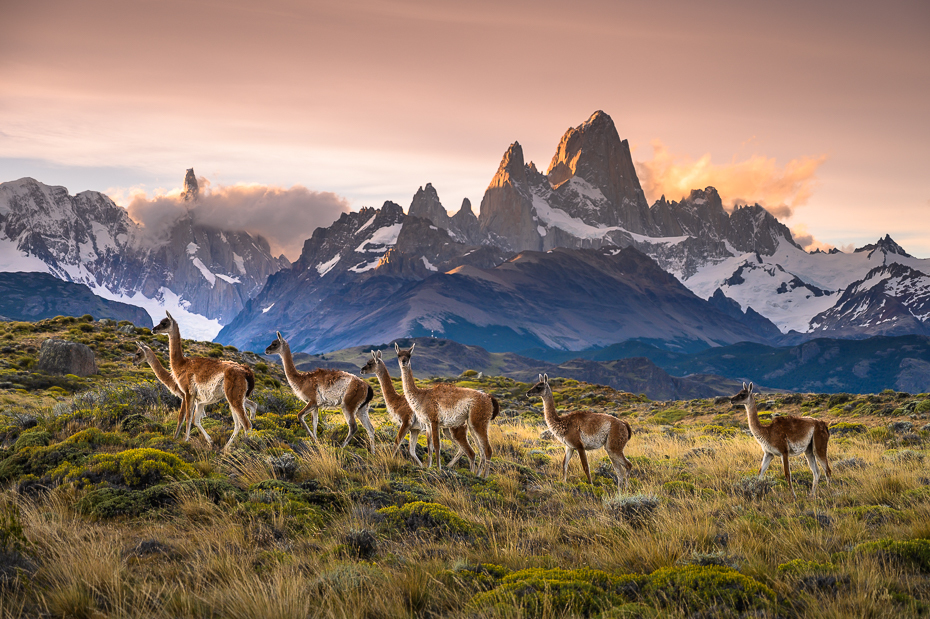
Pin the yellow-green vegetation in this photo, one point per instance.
(104, 514)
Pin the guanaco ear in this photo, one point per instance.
(540, 379)
(280, 337)
(546, 378)
(412, 346)
(379, 354)
(167, 313)
(750, 387)
(396, 348)
(744, 385)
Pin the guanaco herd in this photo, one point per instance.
(200, 381)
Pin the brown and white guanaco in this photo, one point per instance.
(400, 413)
(450, 406)
(203, 381)
(787, 436)
(323, 387)
(583, 430)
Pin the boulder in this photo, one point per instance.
(62, 357)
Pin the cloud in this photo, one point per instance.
(806, 240)
(757, 179)
(285, 217)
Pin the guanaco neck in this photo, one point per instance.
(753, 414)
(160, 372)
(175, 355)
(410, 385)
(387, 385)
(290, 370)
(552, 416)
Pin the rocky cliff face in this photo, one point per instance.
(610, 194)
(203, 273)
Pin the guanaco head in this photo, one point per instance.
(140, 357)
(372, 365)
(165, 325)
(541, 387)
(743, 397)
(403, 354)
(277, 346)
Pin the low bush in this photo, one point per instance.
(432, 518)
(913, 554)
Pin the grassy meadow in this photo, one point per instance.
(104, 514)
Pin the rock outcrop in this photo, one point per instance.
(58, 356)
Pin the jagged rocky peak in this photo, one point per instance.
(887, 245)
(594, 152)
(426, 204)
(465, 226)
(701, 214)
(755, 229)
(511, 169)
(191, 187)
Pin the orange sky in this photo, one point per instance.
(819, 109)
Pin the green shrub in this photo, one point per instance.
(909, 553)
(541, 592)
(694, 588)
(842, 429)
(437, 520)
(678, 488)
(923, 407)
(33, 437)
(105, 503)
(721, 431)
(136, 468)
(473, 578)
(308, 493)
(469, 373)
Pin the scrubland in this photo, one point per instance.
(104, 514)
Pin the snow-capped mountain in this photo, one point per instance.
(202, 273)
(745, 261)
(892, 299)
(348, 271)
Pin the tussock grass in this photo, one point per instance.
(284, 526)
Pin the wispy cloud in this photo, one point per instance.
(757, 179)
(286, 217)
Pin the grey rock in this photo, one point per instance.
(62, 357)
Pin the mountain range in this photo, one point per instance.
(570, 259)
(201, 274)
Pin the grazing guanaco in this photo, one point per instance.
(450, 406)
(400, 413)
(326, 388)
(583, 430)
(203, 381)
(787, 436)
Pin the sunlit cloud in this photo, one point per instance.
(757, 179)
(286, 217)
(806, 240)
